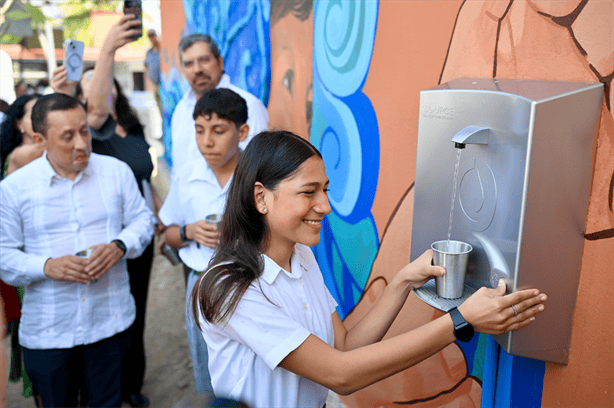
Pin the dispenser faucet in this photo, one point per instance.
(471, 135)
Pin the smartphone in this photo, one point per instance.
(73, 59)
(134, 7)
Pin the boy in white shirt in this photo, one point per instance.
(198, 189)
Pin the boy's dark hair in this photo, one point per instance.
(226, 104)
(49, 103)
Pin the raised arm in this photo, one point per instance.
(98, 89)
(345, 372)
(374, 325)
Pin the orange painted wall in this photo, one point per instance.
(410, 54)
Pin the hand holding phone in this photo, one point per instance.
(73, 59)
(134, 7)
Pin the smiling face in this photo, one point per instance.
(218, 140)
(202, 70)
(296, 208)
(69, 143)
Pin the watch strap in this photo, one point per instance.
(463, 330)
(120, 244)
(182, 235)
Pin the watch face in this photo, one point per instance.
(464, 332)
(462, 329)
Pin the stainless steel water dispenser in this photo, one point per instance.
(522, 190)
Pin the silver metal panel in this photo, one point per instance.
(521, 199)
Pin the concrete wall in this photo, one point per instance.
(348, 76)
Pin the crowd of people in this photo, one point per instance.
(79, 214)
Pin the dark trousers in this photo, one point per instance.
(53, 371)
(133, 367)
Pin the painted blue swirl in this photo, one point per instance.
(344, 128)
(344, 34)
(172, 88)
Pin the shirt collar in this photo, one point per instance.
(48, 173)
(224, 81)
(272, 269)
(202, 172)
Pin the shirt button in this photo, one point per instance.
(305, 305)
(83, 299)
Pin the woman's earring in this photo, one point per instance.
(264, 211)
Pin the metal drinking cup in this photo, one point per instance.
(85, 254)
(453, 256)
(214, 219)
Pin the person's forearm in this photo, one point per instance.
(350, 371)
(101, 88)
(21, 269)
(173, 237)
(374, 325)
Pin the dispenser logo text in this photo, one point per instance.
(437, 112)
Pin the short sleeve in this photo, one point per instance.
(270, 333)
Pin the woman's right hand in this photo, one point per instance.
(490, 310)
(122, 32)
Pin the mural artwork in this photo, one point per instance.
(347, 75)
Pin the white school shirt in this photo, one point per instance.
(184, 148)
(245, 352)
(49, 217)
(194, 194)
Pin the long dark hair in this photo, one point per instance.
(10, 135)
(269, 158)
(126, 116)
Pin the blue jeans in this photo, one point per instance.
(54, 371)
(198, 347)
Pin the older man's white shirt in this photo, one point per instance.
(48, 217)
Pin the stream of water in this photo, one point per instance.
(458, 156)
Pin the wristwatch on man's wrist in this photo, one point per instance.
(120, 244)
(184, 238)
(463, 330)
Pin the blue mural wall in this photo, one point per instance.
(344, 129)
(241, 30)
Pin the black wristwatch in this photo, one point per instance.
(120, 244)
(462, 329)
(182, 234)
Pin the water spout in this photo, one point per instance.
(471, 135)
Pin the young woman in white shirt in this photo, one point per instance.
(274, 337)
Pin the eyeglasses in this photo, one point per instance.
(150, 35)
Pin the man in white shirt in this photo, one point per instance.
(75, 311)
(203, 67)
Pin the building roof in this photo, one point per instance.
(19, 53)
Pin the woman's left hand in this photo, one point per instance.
(420, 271)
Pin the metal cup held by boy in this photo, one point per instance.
(215, 220)
(453, 257)
(85, 254)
